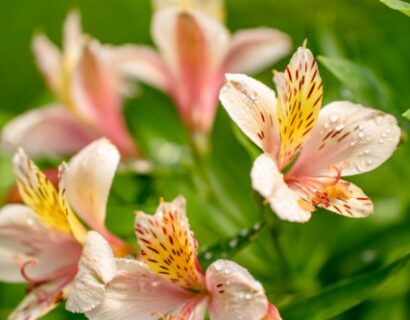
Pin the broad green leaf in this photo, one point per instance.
(364, 83)
(341, 297)
(228, 248)
(402, 6)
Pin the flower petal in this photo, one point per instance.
(96, 88)
(73, 39)
(88, 178)
(167, 245)
(253, 50)
(353, 203)
(96, 269)
(212, 7)
(49, 61)
(146, 65)
(299, 101)
(40, 301)
(350, 137)
(49, 131)
(269, 182)
(193, 45)
(273, 314)
(39, 194)
(235, 294)
(24, 239)
(252, 106)
(136, 290)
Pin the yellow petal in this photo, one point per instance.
(167, 245)
(40, 195)
(299, 101)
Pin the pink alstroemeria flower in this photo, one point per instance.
(195, 50)
(342, 139)
(87, 80)
(41, 242)
(167, 281)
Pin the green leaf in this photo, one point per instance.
(338, 298)
(365, 85)
(398, 5)
(228, 248)
(407, 114)
(250, 148)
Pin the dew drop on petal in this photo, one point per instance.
(339, 127)
(219, 265)
(381, 141)
(334, 117)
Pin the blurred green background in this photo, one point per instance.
(367, 50)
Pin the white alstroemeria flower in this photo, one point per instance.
(195, 50)
(167, 281)
(41, 242)
(87, 80)
(342, 139)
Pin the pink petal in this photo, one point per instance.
(235, 294)
(253, 50)
(270, 183)
(22, 234)
(136, 290)
(349, 137)
(193, 45)
(47, 131)
(145, 65)
(97, 88)
(273, 314)
(88, 178)
(252, 106)
(40, 300)
(96, 269)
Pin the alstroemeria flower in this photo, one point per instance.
(342, 139)
(195, 50)
(87, 80)
(167, 281)
(41, 242)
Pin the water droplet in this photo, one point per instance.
(219, 265)
(99, 151)
(353, 143)
(384, 135)
(30, 222)
(233, 243)
(369, 162)
(361, 134)
(244, 232)
(366, 152)
(155, 284)
(379, 120)
(248, 296)
(381, 141)
(256, 226)
(227, 270)
(339, 127)
(253, 95)
(208, 255)
(326, 125)
(334, 117)
(361, 127)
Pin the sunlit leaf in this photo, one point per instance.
(398, 5)
(364, 84)
(338, 298)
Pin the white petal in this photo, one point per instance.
(49, 61)
(269, 182)
(26, 239)
(252, 106)
(235, 294)
(73, 38)
(348, 136)
(46, 131)
(89, 176)
(253, 50)
(96, 270)
(137, 291)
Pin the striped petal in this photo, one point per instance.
(235, 294)
(270, 183)
(299, 101)
(167, 245)
(252, 106)
(349, 137)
